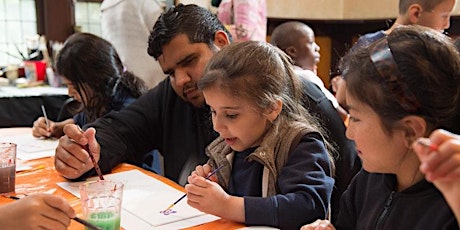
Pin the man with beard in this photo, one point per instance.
(172, 117)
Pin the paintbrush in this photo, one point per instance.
(46, 118)
(87, 224)
(96, 165)
(182, 197)
(427, 143)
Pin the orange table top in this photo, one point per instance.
(43, 178)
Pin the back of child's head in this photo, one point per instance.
(254, 71)
(287, 34)
(413, 71)
(427, 5)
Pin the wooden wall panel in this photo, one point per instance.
(55, 19)
(324, 65)
(305, 9)
(336, 9)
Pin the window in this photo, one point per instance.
(18, 21)
(88, 17)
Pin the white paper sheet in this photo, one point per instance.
(31, 148)
(143, 199)
(21, 166)
(11, 91)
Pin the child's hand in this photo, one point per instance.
(40, 129)
(205, 195)
(37, 211)
(441, 165)
(319, 225)
(204, 171)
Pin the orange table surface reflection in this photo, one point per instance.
(43, 178)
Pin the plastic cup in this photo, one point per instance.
(101, 203)
(35, 70)
(12, 73)
(7, 167)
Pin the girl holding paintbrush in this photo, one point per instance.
(95, 77)
(400, 89)
(275, 169)
(97, 80)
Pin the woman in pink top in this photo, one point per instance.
(245, 19)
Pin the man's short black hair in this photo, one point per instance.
(198, 23)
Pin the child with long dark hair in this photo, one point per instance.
(95, 77)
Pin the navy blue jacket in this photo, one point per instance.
(371, 202)
(303, 183)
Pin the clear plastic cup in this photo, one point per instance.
(7, 167)
(101, 203)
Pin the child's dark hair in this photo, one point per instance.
(419, 76)
(88, 60)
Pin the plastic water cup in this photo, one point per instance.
(7, 167)
(101, 203)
